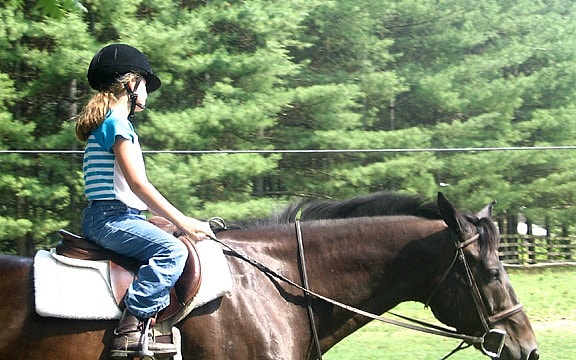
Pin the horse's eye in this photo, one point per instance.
(493, 275)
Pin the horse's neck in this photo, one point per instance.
(369, 263)
(373, 264)
(388, 254)
(376, 263)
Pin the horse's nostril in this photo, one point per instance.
(534, 355)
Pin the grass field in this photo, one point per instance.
(549, 298)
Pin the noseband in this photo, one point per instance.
(495, 337)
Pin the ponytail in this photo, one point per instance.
(94, 113)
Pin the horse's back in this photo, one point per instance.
(16, 306)
(16, 288)
(26, 335)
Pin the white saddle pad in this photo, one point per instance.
(80, 289)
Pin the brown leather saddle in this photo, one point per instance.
(123, 270)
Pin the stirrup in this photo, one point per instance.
(145, 353)
(142, 349)
(133, 355)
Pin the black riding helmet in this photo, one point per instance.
(115, 60)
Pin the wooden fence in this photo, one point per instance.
(520, 249)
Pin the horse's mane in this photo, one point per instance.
(376, 204)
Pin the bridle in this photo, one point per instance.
(492, 336)
(491, 342)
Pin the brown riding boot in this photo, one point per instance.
(133, 337)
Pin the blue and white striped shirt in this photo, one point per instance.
(103, 178)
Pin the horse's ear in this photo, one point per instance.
(487, 211)
(453, 218)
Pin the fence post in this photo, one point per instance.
(531, 242)
(512, 230)
(566, 248)
(549, 244)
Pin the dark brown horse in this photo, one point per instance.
(372, 253)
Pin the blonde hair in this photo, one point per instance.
(94, 113)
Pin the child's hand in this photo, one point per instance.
(196, 229)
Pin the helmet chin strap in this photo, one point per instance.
(133, 97)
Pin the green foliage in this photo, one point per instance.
(57, 8)
(314, 75)
(232, 211)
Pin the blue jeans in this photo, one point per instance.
(123, 230)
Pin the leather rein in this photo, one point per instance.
(496, 336)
